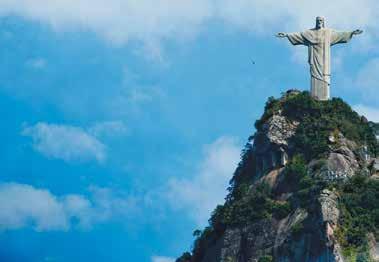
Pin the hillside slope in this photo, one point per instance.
(306, 189)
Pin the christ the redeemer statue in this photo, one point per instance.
(319, 40)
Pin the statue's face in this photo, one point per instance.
(320, 22)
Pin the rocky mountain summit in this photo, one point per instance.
(306, 189)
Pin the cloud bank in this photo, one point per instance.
(65, 142)
(162, 259)
(74, 144)
(26, 206)
(200, 194)
(150, 20)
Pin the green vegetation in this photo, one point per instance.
(359, 213)
(257, 204)
(272, 106)
(265, 259)
(297, 229)
(317, 120)
(206, 238)
(303, 186)
(252, 205)
(358, 205)
(295, 171)
(375, 127)
(281, 209)
(241, 179)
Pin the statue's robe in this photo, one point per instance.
(319, 42)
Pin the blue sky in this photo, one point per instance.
(123, 121)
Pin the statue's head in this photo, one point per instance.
(320, 22)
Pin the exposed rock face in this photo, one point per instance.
(329, 209)
(374, 248)
(342, 162)
(307, 233)
(375, 166)
(252, 242)
(276, 237)
(278, 130)
(273, 236)
(330, 215)
(271, 143)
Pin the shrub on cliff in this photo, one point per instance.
(318, 119)
(359, 211)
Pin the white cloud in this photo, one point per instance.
(36, 63)
(153, 20)
(65, 142)
(21, 205)
(200, 194)
(109, 129)
(162, 259)
(24, 206)
(116, 20)
(371, 113)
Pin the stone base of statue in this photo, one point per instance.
(320, 89)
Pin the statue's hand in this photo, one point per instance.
(357, 32)
(281, 35)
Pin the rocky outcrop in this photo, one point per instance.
(309, 236)
(279, 129)
(283, 240)
(375, 166)
(342, 161)
(373, 248)
(271, 144)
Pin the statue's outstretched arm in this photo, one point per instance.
(357, 32)
(341, 37)
(294, 38)
(281, 35)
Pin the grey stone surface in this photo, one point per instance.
(343, 160)
(329, 207)
(243, 244)
(339, 167)
(285, 225)
(319, 40)
(278, 129)
(373, 247)
(375, 166)
(271, 143)
(275, 237)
